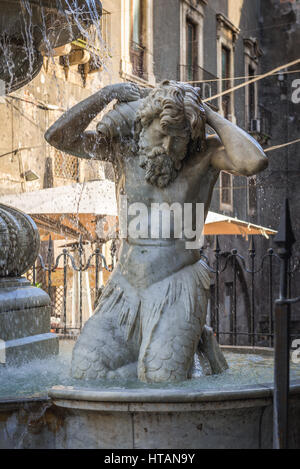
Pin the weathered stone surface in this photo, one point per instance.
(24, 322)
(19, 241)
(18, 294)
(24, 309)
(111, 430)
(28, 348)
(238, 419)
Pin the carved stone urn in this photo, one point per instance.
(29, 28)
(24, 309)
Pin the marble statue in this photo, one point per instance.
(151, 318)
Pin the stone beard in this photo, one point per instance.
(160, 168)
(175, 114)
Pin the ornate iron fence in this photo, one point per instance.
(42, 272)
(241, 289)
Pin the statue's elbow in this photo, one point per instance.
(258, 166)
(48, 136)
(53, 137)
(263, 163)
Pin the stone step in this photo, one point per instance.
(26, 322)
(19, 351)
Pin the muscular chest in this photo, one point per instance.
(193, 184)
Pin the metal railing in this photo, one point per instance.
(42, 271)
(284, 241)
(236, 285)
(235, 313)
(197, 76)
(137, 56)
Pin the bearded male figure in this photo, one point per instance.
(151, 317)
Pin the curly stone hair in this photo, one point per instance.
(179, 107)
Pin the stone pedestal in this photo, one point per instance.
(24, 322)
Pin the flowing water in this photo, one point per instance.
(35, 378)
(39, 29)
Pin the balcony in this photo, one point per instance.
(201, 78)
(137, 57)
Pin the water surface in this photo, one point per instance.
(35, 378)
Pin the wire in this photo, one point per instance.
(276, 147)
(246, 83)
(17, 150)
(39, 104)
(241, 78)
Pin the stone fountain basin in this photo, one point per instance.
(236, 417)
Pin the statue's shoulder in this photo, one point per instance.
(213, 142)
(202, 158)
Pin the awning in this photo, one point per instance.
(97, 197)
(68, 211)
(217, 224)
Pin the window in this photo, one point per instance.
(227, 34)
(137, 41)
(105, 29)
(225, 81)
(251, 96)
(66, 166)
(252, 196)
(226, 192)
(191, 40)
(137, 47)
(191, 50)
(252, 53)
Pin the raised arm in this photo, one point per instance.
(235, 150)
(69, 133)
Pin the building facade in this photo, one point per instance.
(221, 44)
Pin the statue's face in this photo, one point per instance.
(174, 143)
(161, 152)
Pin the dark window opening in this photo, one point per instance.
(251, 96)
(226, 189)
(225, 81)
(252, 196)
(191, 49)
(137, 47)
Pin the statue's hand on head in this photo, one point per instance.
(124, 92)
